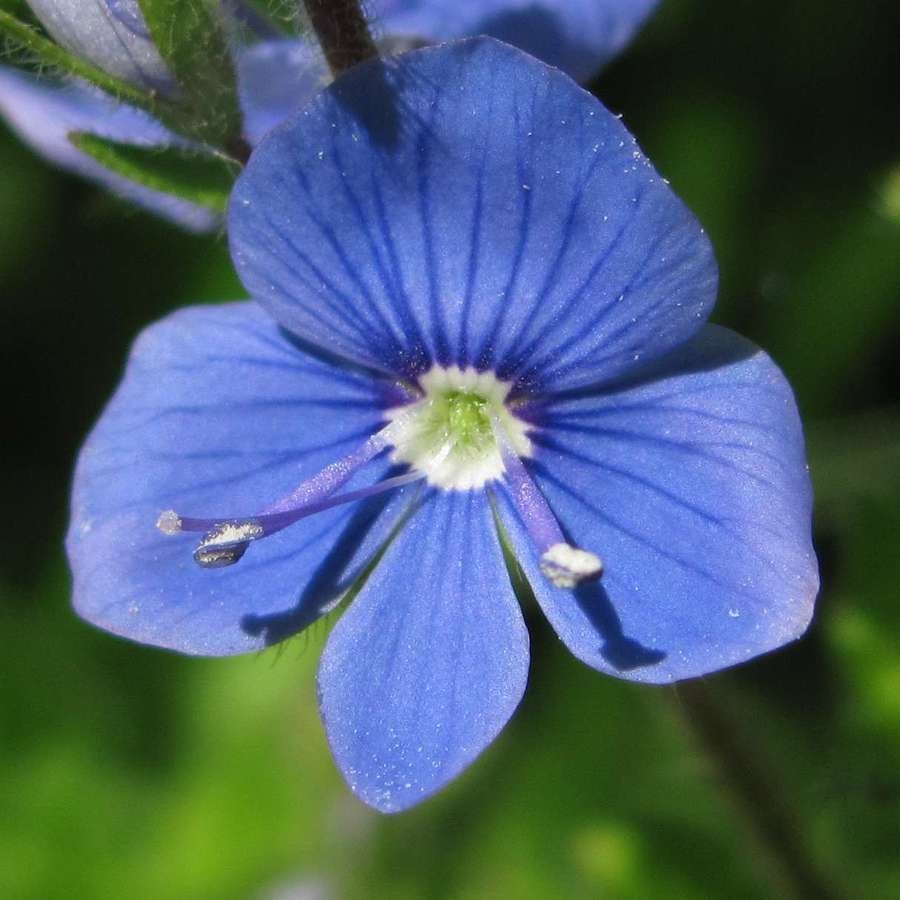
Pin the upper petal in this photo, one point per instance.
(110, 33)
(467, 204)
(577, 36)
(219, 415)
(431, 659)
(45, 112)
(691, 484)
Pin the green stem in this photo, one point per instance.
(756, 794)
(341, 28)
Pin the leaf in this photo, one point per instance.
(203, 179)
(190, 37)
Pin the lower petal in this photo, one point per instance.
(428, 664)
(691, 484)
(218, 414)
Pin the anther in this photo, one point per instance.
(225, 544)
(567, 566)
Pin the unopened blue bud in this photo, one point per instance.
(112, 34)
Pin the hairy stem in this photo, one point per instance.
(756, 793)
(341, 28)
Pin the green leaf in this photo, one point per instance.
(202, 179)
(41, 50)
(190, 37)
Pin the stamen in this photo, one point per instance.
(564, 565)
(225, 540)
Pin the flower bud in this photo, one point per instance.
(112, 34)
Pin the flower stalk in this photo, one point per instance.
(342, 31)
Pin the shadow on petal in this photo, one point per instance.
(377, 108)
(328, 583)
(384, 97)
(620, 651)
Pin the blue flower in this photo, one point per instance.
(478, 304)
(577, 36)
(275, 76)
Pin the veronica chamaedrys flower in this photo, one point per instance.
(476, 296)
(275, 76)
(112, 34)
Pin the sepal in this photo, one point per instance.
(190, 36)
(202, 179)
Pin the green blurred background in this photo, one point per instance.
(131, 772)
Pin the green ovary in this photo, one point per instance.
(459, 419)
(467, 420)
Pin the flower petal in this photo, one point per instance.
(276, 78)
(110, 33)
(44, 112)
(577, 36)
(220, 415)
(692, 486)
(431, 659)
(466, 204)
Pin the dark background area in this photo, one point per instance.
(124, 766)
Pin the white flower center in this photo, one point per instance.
(450, 435)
